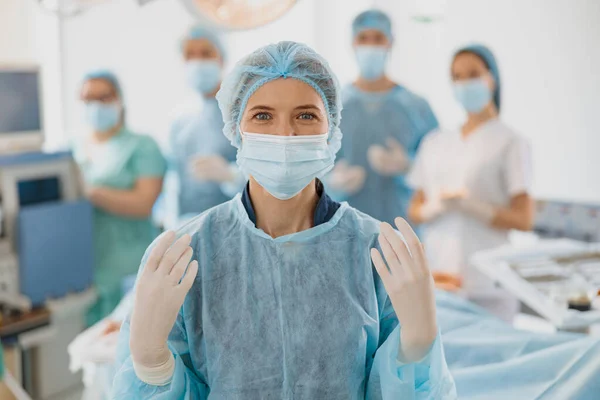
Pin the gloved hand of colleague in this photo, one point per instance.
(409, 284)
(457, 201)
(389, 161)
(432, 209)
(461, 201)
(160, 292)
(438, 206)
(480, 210)
(212, 169)
(347, 179)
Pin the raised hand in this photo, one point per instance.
(160, 291)
(410, 287)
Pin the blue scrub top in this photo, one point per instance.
(194, 134)
(326, 207)
(370, 118)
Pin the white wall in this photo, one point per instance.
(29, 36)
(549, 56)
(333, 27)
(140, 44)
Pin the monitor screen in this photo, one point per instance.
(20, 110)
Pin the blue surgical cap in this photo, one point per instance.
(488, 58)
(373, 19)
(107, 76)
(281, 60)
(203, 32)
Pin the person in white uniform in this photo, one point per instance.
(472, 184)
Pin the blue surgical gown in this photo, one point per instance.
(198, 133)
(303, 316)
(371, 118)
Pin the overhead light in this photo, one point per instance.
(427, 11)
(239, 14)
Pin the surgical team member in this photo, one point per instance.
(472, 184)
(383, 124)
(287, 294)
(123, 174)
(201, 156)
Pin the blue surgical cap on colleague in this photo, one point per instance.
(281, 60)
(373, 19)
(106, 75)
(203, 32)
(488, 58)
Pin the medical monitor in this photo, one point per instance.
(21, 122)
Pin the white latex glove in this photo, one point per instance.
(410, 287)
(212, 168)
(446, 202)
(389, 161)
(480, 210)
(160, 292)
(347, 179)
(432, 209)
(461, 201)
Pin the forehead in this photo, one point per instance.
(201, 44)
(469, 60)
(371, 33)
(285, 93)
(98, 86)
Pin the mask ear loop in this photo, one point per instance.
(241, 136)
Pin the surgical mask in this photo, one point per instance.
(203, 76)
(284, 165)
(102, 117)
(371, 61)
(473, 94)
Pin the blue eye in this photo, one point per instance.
(307, 116)
(262, 116)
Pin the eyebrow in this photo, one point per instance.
(302, 107)
(259, 107)
(310, 107)
(105, 94)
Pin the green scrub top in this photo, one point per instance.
(119, 242)
(1, 363)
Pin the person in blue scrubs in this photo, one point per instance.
(281, 292)
(201, 156)
(383, 124)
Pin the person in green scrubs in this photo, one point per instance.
(122, 175)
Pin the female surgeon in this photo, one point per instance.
(282, 293)
(123, 173)
(201, 156)
(383, 124)
(472, 184)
